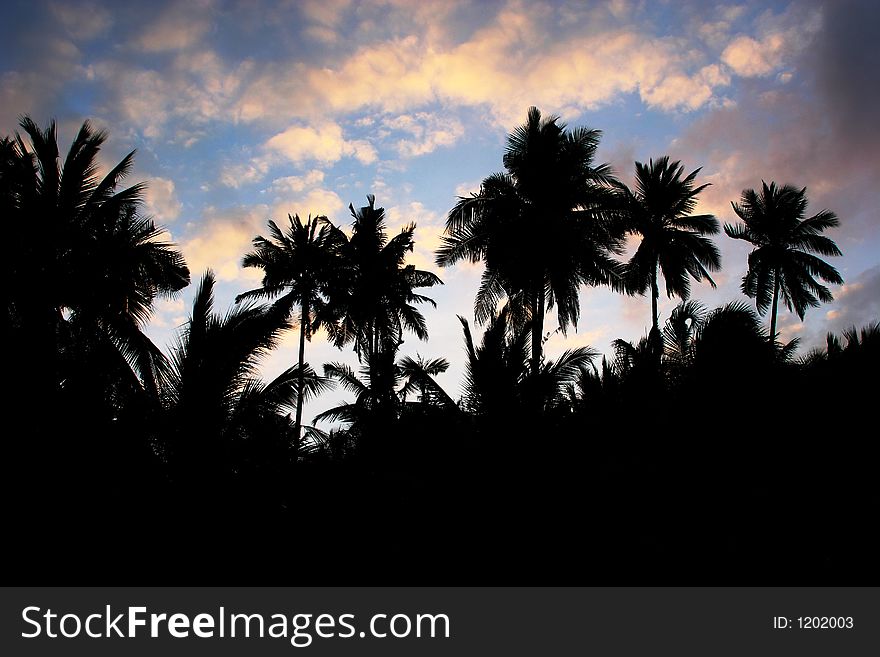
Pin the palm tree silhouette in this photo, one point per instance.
(498, 375)
(84, 268)
(673, 241)
(108, 263)
(218, 413)
(374, 299)
(418, 374)
(381, 389)
(542, 228)
(783, 260)
(299, 264)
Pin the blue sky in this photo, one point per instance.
(246, 111)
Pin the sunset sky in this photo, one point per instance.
(247, 111)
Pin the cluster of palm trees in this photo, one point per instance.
(552, 222)
(555, 221)
(104, 408)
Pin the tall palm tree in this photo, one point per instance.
(673, 241)
(542, 228)
(82, 269)
(783, 260)
(299, 265)
(85, 266)
(375, 301)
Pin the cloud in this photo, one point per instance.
(296, 184)
(429, 132)
(845, 59)
(748, 57)
(220, 239)
(857, 303)
(505, 64)
(395, 59)
(429, 227)
(817, 133)
(34, 88)
(315, 202)
(161, 200)
(687, 92)
(323, 143)
(195, 89)
(179, 27)
(169, 313)
(82, 21)
(328, 13)
(304, 196)
(237, 175)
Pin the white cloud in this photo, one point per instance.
(169, 313)
(236, 175)
(220, 239)
(748, 57)
(767, 52)
(315, 202)
(161, 200)
(323, 142)
(429, 228)
(429, 132)
(468, 188)
(296, 184)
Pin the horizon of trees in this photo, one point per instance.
(85, 268)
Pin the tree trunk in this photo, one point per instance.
(300, 387)
(537, 327)
(775, 304)
(655, 295)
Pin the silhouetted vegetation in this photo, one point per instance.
(706, 452)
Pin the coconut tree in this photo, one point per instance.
(498, 374)
(82, 269)
(299, 266)
(673, 241)
(418, 374)
(92, 292)
(218, 415)
(375, 299)
(783, 260)
(542, 228)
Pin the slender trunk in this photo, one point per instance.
(655, 295)
(301, 379)
(537, 327)
(775, 304)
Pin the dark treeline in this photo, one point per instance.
(706, 452)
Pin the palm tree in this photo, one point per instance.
(418, 374)
(673, 241)
(108, 263)
(218, 415)
(542, 228)
(783, 260)
(498, 377)
(82, 269)
(378, 400)
(375, 299)
(298, 264)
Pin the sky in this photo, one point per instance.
(246, 111)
